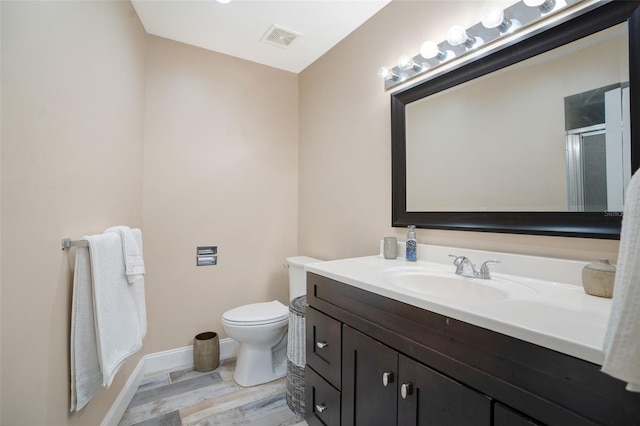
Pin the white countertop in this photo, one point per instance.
(555, 315)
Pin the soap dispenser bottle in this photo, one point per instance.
(412, 244)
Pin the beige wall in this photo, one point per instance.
(220, 169)
(345, 154)
(72, 141)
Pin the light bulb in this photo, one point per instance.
(383, 72)
(406, 62)
(429, 49)
(457, 35)
(543, 6)
(387, 74)
(494, 18)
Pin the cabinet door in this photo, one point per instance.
(429, 398)
(369, 381)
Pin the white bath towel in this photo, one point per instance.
(622, 338)
(118, 305)
(86, 377)
(132, 251)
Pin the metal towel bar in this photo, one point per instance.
(67, 243)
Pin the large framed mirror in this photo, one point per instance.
(536, 138)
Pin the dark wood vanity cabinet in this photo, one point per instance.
(384, 387)
(376, 361)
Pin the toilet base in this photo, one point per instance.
(255, 366)
(262, 350)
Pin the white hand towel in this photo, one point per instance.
(132, 251)
(134, 268)
(139, 288)
(622, 338)
(86, 377)
(117, 305)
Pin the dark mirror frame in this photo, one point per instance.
(605, 225)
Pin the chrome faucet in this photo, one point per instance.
(466, 268)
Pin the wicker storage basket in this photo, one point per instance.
(296, 356)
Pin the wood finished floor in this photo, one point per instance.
(188, 397)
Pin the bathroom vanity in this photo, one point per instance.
(382, 353)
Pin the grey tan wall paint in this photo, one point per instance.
(72, 140)
(220, 167)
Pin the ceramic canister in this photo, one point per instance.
(598, 278)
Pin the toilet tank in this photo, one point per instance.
(297, 275)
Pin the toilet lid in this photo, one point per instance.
(257, 313)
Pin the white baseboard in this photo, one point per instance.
(126, 394)
(183, 357)
(170, 360)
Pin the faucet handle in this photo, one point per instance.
(464, 266)
(485, 272)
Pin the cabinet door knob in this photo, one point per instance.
(320, 408)
(406, 389)
(322, 345)
(387, 378)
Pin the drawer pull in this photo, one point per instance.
(322, 345)
(406, 389)
(387, 378)
(320, 408)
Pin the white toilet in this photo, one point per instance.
(261, 331)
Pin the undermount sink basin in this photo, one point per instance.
(446, 284)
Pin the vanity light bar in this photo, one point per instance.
(460, 41)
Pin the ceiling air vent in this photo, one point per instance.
(279, 36)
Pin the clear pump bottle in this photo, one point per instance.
(412, 244)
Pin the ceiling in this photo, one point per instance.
(236, 28)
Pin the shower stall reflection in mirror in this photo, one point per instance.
(598, 155)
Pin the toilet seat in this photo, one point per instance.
(257, 314)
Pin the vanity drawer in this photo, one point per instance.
(322, 401)
(324, 345)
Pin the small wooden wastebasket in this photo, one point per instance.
(206, 351)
